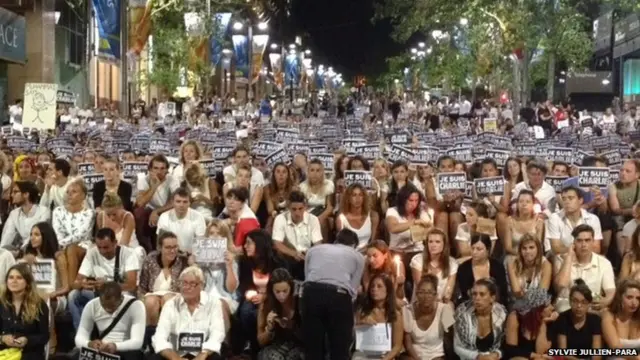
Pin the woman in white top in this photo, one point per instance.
(355, 215)
(319, 192)
(523, 222)
(114, 216)
(427, 322)
(190, 152)
(203, 190)
(435, 260)
(222, 279)
(399, 178)
(621, 321)
(401, 218)
(381, 173)
(474, 211)
(243, 180)
(73, 224)
(530, 269)
(424, 173)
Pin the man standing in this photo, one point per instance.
(333, 273)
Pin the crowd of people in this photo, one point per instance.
(416, 268)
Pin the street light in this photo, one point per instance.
(292, 46)
(421, 45)
(263, 26)
(464, 21)
(307, 52)
(437, 34)
(414, 50)
(237, 25)
(274, 46)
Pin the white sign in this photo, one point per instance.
(374, 338)
(40, 105)
(210, 251)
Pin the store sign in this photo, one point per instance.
(627, 29)
(12, 36)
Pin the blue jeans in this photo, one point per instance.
(247, 314)
(77, 301)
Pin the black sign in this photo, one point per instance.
(222, 152)
(626, 29)
(579, 157)
(327, 161)
(264, 148)
(399, 153)
(131, 169)
(286, 135)
(500, 156)
(158, 145)
(361, 177)
(86, 168)
(369, 152)
(451, 182)
(468, 191)
(423, 155)
(461, 154)
(278, 156)
(211, 167)
(560, 154)
(526, 148)
(613, 157)
(91, 179)
(614, 176)
(91, 354)
(398, 138)
(593, 176)
(589, 82)
(489, 186)
(190, 342)
(298, 148)
(557, 182)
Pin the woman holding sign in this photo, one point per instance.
(378, 314)
(204, 190)
(24, 316)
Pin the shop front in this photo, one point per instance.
(12, 51)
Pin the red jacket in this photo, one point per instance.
(247, 222)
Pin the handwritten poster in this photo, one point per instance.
(374, 339)
(40, 105)
(210, 251)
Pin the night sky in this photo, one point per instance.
(341, 34)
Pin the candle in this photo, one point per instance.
(250, 294)
(397, 260)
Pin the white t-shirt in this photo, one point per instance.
(97, 266)
(187, 229)
(418, 261)
(402, 241)
(302, 235)
(428, 344)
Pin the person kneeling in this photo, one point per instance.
(114, 323)
(191, 324)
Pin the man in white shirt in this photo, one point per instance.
(544, 193)
(186, 223)
(558, 237)
(191, 324)
(242, 156)
(295, 231)
(580, 262)
(154, 192)
(120, 321)
(107, 261)
(55, 190)
(17, 229)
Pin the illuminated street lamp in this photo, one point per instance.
(237, 25)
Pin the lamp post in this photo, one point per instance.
(261, 27)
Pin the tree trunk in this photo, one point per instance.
(551, 75)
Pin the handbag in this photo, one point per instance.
(11, 354)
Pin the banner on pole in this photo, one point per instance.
(241, 48)
(276, 68)
(108, 19)
(220, 27)
(259, 45)
(139, 24)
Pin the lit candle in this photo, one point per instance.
(397, 260)
(250, 294)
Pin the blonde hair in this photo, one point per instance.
(79, 183)
(195, 145)
(31, 306)
(224, 231)
(193, 270)
(111, 200)
(195, 172)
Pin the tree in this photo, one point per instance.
(498, 28)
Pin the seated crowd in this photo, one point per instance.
(445, 274)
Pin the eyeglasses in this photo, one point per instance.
(427, 293)
(190, 284)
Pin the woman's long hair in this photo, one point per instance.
(519, 261)
(387, 267)
(368, 304)
(273, 185)
(264, 259)
(444, 257)
(616, 303)
(345, 201)
(393, 185)
(49, 244)
(277, 276)
(31, 305)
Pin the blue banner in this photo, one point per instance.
(108, 19)
(320, 79)
(12, 37)
(220, 26)
(241, 47)
(291, 70)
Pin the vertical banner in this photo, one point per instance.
(195, 27)
(220, 27)
(241, 48)
(320, 79)
(108, 20)
(259, 45)
(40, 105)
(139, 24)
(276, 68)
(306, 65)
(291, 70)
